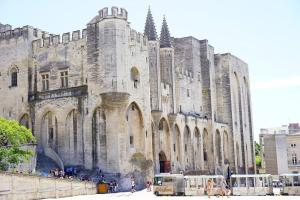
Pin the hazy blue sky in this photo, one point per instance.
(265, 34)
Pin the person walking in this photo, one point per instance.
(132, 185)
(115, 186)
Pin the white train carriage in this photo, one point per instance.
(291, 184)
(195, 185)
(251, 184)
(168, 184)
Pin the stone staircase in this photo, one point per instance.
(44, 163)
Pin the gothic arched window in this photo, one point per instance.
(135, 76)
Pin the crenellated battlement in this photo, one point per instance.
(24, 31)
(53, 40)
(115, 13)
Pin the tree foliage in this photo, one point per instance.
(12, 137)
(257, 149)
(258, 161)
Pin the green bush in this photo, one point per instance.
(258, 161)
(12, 137)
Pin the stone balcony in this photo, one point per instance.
(59, 93)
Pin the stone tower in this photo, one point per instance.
(154, 62)
(118, 78)
(167, 69)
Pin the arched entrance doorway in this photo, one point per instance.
(99, 147)
(164, 137)
(164, 164)
(178, 146)
(73, 134)
(226, 147)
(25, 121)
(197, 149)
(50, 130)
(135, 128)
(205, 148)
(218, 148)
(188, 148)
(238, 160)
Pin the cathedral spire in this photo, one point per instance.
(150, 30)
(165, 35)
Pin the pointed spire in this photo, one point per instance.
(150, 30)
(165, 35)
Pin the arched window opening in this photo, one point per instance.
(99, 143)
(135, 130)
(135, 76)
(25, 120)
(205, 145)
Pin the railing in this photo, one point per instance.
(59, 93)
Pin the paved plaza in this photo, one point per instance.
(142, 195)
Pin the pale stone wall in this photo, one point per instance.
(188, 75)
(15, 48)
(234, 108)
(19, 187)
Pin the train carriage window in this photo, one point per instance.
(157, 180)
(243, 182)
(251, 182)
(192, 183)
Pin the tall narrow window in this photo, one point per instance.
(294, 159)
(45, 82)
(14, 77)
(131, 141)
(64, 79)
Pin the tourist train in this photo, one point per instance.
(239, 184)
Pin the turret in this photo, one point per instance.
(167, 66)
(107, 44)
(154, 62)
(150, 30)
(165, 41)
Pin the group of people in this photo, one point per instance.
(58, 173)
(222, 191)
(112, 185)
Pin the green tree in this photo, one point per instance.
(257, 149)
(12, 137)
(258, 161)
(257, 154)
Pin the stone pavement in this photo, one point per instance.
(142, 195)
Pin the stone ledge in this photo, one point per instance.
(60, 93)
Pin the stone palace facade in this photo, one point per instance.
(98, 96)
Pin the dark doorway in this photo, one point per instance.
(164, 164)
